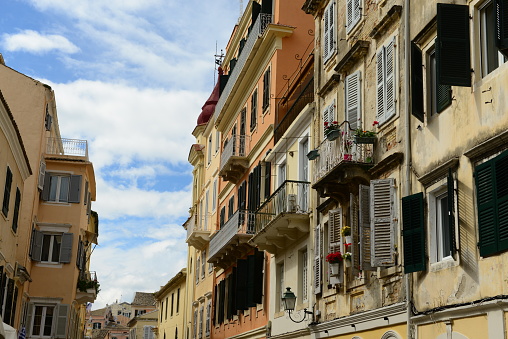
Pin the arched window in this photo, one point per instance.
(391, 335)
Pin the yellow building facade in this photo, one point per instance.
(171, 306)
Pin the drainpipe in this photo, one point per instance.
(407, 151)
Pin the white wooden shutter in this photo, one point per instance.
(329, 113)
(364, 223)
(349, 15)
(61, 321)
(334, 240)
(328, 31)
(382, 224)
(357, 12)
(66, 248)
(42, 173)
(317, 260)
(201, 315)
(380, 80)
(353, 99)
(325, 34)
(390, 79)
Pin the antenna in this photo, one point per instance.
(218, 61)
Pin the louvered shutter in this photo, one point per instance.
(37, 239)
(417, 82)
(390, 79)
(413, 233)
(15, 216)
(334, 240)
(443, 97)
(355, 234)
(453, 59)
(349, 15)
(75, 189)
(208, 317)
(251, 280)
(259, 268)
(201, 315)
(61, 321)
(317, 260)
(501, 9)
(42, 173)
(450, 183)
(364, 221)
(382, 224)
(353, 99)
(328, 31)
(380, 81)
(46, 188)
(357, 12)
(241, 284)
(66, 248)
(29, 316)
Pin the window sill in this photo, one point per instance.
(49, 265)
(444, 264)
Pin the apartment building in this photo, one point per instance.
(171, 307)
(50, 282)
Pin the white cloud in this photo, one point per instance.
(34, 42)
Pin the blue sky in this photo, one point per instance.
(130, 76)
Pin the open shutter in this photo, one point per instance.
(355, 234)
(413, 233)
(42, 174)
(357, 11)
(334, 240)
(417, 82)
(501, 10)
(443, 97)
(328, 31)
(486, 203)
(317, 260)
(364, 216)
(390, 79)
(61, 321)
(259, 268)
(75, 189)
(29, 317)
(256, 9)
(46, 188)
(382, 224)
(349, 15)
(37, 239)
(451, 210)
(380, 81)
(251, 280)
(453, 59)
(66, 248)
(500, 166)
(353, 99)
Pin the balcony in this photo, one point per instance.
(233, 161)
(230, 242)
(283, 218)
(342, 165)
(198, 233)
(68, 148)
(246, 54)
(87, 288)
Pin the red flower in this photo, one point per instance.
(334, 257)
(375, 123)
(326, 123)
(335, 122)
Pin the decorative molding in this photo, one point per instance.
(387, 163)
(304, 332)
(256, 333)
(357, 51)
(393, 14)
(438, 172)
(311, 6)
(330, 83)
(488, 147)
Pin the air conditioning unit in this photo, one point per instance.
(292, 203)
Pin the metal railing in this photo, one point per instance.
(240, 223)
(236, 146)
(341, 150)
(257, 30)
(198, 223)
(291, 197)
(62, 146)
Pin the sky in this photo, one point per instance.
(130, 76)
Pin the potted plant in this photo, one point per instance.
(334, 260)
(85, 285)
(365, 137)
(312, 155)
(346, 233)
(332, 131)
(347, 258)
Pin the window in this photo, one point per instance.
(329, 114)
(214, 195)
(334, 241)
(51, 247)
(48, 320)
(172, 302)
(166, 310)
(282, 173)
(148, 332)
(329, 31)
(439, 96)
(304, 174)
(201, 315)
(222, 219)
(266, 89)
(490, 56)
(208, 317)
(43, 321)
(303, 276)
(15, 217)
(207, 195)
(253, 109)
(7, 191)
(385, 78)
(62, 188)
(195, 334)
(178, 300)
(97, 326)
(280, 285)
(231, 207)
(209, 149)
(353, 99)
(197, 270)
(217, 141)
(491, 179)
(353, 14)
(203, 264)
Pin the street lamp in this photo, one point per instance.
(289, 300)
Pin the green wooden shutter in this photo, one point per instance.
(501, 10)
(241, 284)
(61, 321)
(443, 97)
(251, 277)
(417, 83)
(364, 221)
(486, 205)
(7, 191)
(66, 248)
(453, 59)
(75, 189)
(501, 171)
(450, 183)
(413, 233)
(382, 222)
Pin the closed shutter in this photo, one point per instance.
(75, 189)
(259, 266)
(7, 314)
(328, 31)
(417, 83)
(79, 257)
(353, 99)
(334, 240)
(36, 250)
(382, 222)
(251, 280)
(61, 321)
(66, 248)
(241, 284)
(349, 15)
(208, 318)
(201, 315)
(317, 260)
(7, 191)
(15, 216)
(42, 174)
(450, 183)
(232, 64)
(364, 221)
(380, 82)
(198, 260)
(501, 10)
(355, 234)
(413, 233)
(453, 59)
(232, 294)
(3, 281)
(390, 79)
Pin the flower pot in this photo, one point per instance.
(332, 135)
(312, 155)
(365, 140)
(335, 268)
(348, 263)
(348, 239)
(348, 157)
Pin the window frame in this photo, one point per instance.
(484, 47)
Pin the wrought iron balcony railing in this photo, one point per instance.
(68, 147)
(235, 147)
(257, 30)
(241, 223)
(291, 197)
(343, 150)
